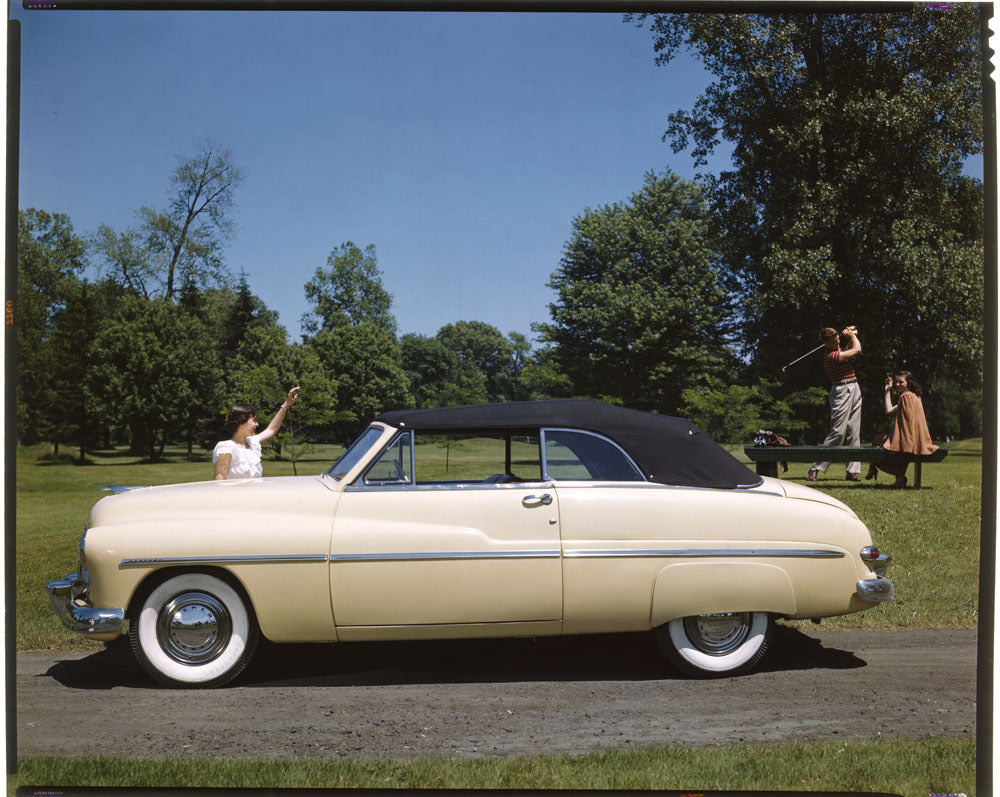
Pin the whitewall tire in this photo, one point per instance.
(706, 645)
(193, 630)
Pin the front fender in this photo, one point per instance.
(690, 588)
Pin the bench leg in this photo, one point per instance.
(767, 469)
(916, 474)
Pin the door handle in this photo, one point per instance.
(544, 499)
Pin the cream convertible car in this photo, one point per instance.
(498, 520)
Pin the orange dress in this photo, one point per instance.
(909, 433)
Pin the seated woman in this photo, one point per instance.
(909, 431)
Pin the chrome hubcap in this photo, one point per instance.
(194, 628)
(718, 634)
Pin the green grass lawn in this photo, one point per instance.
(914, 768)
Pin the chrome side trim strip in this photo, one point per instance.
(443, 555)
(585, 553)
(467, 486)
(292, 558)
(740, 489)
(552, 553)
(456, 487)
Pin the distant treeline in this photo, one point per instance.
(846, 204)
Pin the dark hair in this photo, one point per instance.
(911, 384)
(239, 415)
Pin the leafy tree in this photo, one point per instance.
(483, 348)
(191, 299)
(183, 241)
(642, 307)
(542, 378)
(239, 319)
(349, 292)
(429, 365)
(734, 413)
(468, 387)
(367, 366)
(247, 342)
(316, 410)
(353, 334)
(75, 409)
(846, 201)
(951, 411)
(468, 362)
(125, 259)
(50, 256)
(147, 359)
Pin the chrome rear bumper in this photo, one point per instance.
(69, 598)
(875, 590)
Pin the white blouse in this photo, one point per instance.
(246, 459)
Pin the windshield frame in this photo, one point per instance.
(363, 445)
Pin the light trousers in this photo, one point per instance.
(845, 422)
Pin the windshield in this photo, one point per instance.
(355, 452)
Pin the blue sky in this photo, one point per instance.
(460, 145)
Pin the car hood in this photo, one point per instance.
(249, 497)
(803, 493)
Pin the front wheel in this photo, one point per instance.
(711, 645)
(193, 630)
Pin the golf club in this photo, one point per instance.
(813, 351)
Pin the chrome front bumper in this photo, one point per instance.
(69, 598)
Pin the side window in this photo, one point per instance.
(574, 456)
(477, 458)
(393, 466)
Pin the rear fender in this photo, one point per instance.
(691, 588)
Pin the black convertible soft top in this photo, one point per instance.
(668, 450)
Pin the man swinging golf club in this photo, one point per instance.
(845, 398)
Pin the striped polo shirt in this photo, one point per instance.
(835, 369)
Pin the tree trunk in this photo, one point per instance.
(139, 446)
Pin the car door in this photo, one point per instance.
(438, 532)
(608, 512)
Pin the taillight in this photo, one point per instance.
(870, 553)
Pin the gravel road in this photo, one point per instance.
(500, 698)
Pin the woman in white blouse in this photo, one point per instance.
(239, 456)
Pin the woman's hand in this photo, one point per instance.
(279, 416)
(888, 384)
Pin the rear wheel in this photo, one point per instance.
(193, 630)
(707, 645)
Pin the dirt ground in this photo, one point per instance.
(500, 698)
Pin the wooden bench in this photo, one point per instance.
(768, 457)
